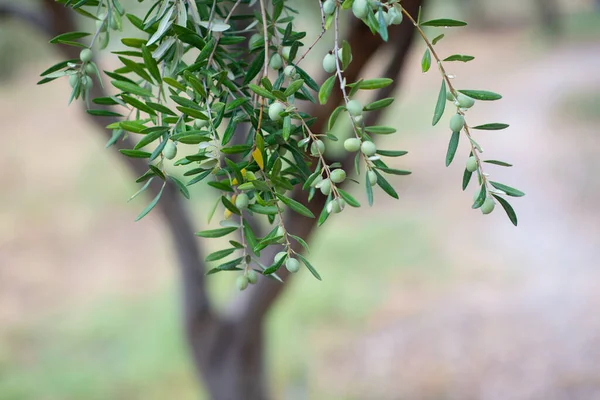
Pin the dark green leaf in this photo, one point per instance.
(496, 162)
(491, 127)
(481, 95)
(452, 146)
(459, 57)
(508, 208)
(444, 22)
(384, 184)
(426, 61)
(440, 106)
(217, 255)
(326, 89)
(217, 233)
(150, 206)
(507, 189)
(348, 198)
(296, 206)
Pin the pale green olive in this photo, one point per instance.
(242, 201)
(338, 175)
(354, 108)
(337, 205)
(170, 150)
(360, 8)
(73, 79)
(325, 187)
(279, 256)
(200, 123)
(241, 282)
(352, 145)
(395, 16)
(87, 82)
(252, 276)
(289, 71)
(457, 123)
(276, 62)
(317, 147)
(471, 164)
(465, 101)
(255, 40)
(488, 205)
(292, 265)
(368, 148)
(275, 110)
(329, 7)
(90, 69)
(285, 52)
(329, 63)
(372, 177)
(86, 55)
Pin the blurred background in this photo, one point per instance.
(422, 298)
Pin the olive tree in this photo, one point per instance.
(218, 93)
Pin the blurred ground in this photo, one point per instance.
(422, 298)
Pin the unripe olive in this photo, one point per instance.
(170, 150)
(449, 96)
(280, 231)
(337, 205)
(328, 7)
(289, 71)
(329, 64)
(90, 69)
(73, 79)
(292, 265)
(276, 62)
(104, 39)
(358, 120)
(368, 148)
(372, 177)
(338, 175)
(317, 147)
(252, 276)
(386, 18)
(274, 110)
(114, 24)
(340, 54)
(354, 108)
(242, 201)
(352, 144)
(395, 16)
(250, 176)
(86, 55)
(285, 52)
(279, 256)
(488, 206)
(359, 8)
(87, 83)
(457, 123)
(255, 40)
(317, 181)
(241, 282)
(465, 101)
(325, 187)
(200, 123)
(471, 164)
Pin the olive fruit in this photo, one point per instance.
(279, 256)
(317, 181)
(471, 164)
(488, 206)
(465, 101)
(372, 177)
(352, 144)
(328, 7)
(292, 265)
(354, 108)
(337, 205)
(395, 16)
(359, 8)
(457, 122)
(87, 83)
(241, 201)
(104, 39)
(280, 232)
(252, 276)
(325, 187)
(255, 40)
(449, 96)
(276, 62)
(329, 63)
(384, 15)
(114, 24)
(368, 148)
(275, 110)
(285, 52)
(90, 68)
(73, 79)
(317, 147)
(86, 55)
(241, 282)
(170, 150)
(338, 175)
(289, 71)
(200, 123)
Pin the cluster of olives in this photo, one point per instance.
(249, 277)
(88, 68)
(393, 16)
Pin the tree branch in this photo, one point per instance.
(251, 306)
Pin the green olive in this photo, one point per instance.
(276, 62)
(289, 71)
(372, 177)
(86, 55)
(354, 108)
(252, 276)
(338, 175)
(73, 79)
(241, 282)
(275, 110)
(90, 69)
(329, 7)
(285, 52)
(325, 187)
(385, 16)
(87, 82)
(104, 39)
(279, 256)
(488, 205)
(200, 123)
(465, 101)
(329, 63)
(170, 150)
(471, 164)
(395, 16)
(457, 123)
(337, 205)
(114, 24)
(352, 145)
(449, 96)
(317, 147)
(368, 148)
(292, 265)
(242, 201)
(360, 8)
(255, 40)
(280, 232)
(317, 181)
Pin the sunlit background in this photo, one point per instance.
(421, 298)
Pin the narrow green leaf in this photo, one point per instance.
(380, 130)
(426, 61)
(379, 104)
(440, 106)
(459, 57)
(296, 206)
(261, 92)
(510, 191)
(217, 233)
(481, 95)
(132, 88)
(326, 89)
(150, 206)
(437, 39)
(384, 184)
(496, 162)
(452, 146)
(293, 87)
(491, 127)
(444, 22)
(481, 198)
(392, 153)
(135, 153)
(309, 266)
(218, 255)
(348, 198)
(466, 179)
(508, 209)
(372, 84)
